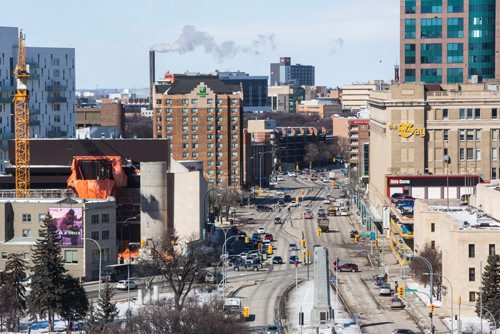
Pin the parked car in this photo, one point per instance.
(293, 259)
(308, 215)
(404, 202)
(292, 174)
(277, 260)
(379, 280)
(399, 196)
(264, 208)
(347, 267)
(287, 198)
(124, 285)
(272, 329)
(385, 290)
(268, 236)
(278, 220)
(294, 204)
(293, 247)
(403, 331)
(397, 302)
(280, 178)
(280, 192)
(261, 230)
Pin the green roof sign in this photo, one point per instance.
(202, 91)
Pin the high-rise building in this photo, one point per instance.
(448, 41)
(254, 89)
(51, 87)
(202, 117)
(284, 72)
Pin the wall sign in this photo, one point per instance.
(202, 91)
(407, 129)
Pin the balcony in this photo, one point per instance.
(7, 88)
(57, 134)
(56, 88)
(34, 122)
(34, 112)
(56, 99)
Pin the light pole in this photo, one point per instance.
(260, 163)
(100, 257)
(451, 288)
(492, 318)
(431, 272)
(128, 263)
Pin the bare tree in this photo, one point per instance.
(419, 267)
(138, 126)
(196, 317)
(312, 153)
(291, 119)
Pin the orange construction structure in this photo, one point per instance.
(96, 177)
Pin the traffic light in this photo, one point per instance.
(431, 308)
(303, 243)
(319, 232)
(297, 199)
(247, 239)
(269, 250)
(259, 247)
(260, 191)
(333, 184)
(356, 238)
(401, 291)
(246, 312)
(334, 159)
(297, 167)
(308, 254)
(376, 242)
(302, 192)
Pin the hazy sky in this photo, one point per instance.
(347, 40)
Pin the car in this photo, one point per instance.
(292, 174)
(397, 302)
(261, 230)
(287, 198)
(278, 220)
(293, 247)
(327, 201)
(272, 329)
(308, 215)
(280, 192)
(403, 331)
(404, 202)
(294, 204)
(264, 208)
(379, 280)
(400, 196)
(293, 259)
(465, 197)
(281, 203)
(280, 178)
(126, 284)
(385, 290)
(354, 233)
(277, 260)
(268, 237)
(250, 220)
(253, 266)
(347, 267)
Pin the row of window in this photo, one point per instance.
(196, 128)
(209, 145)
(69, 255)
(195, 101)
(432, 53)
(220, 172)
(468, 153)
(196, 119)
(220, 163)
(209, 136)
(435, 75)
(433, 28)
(195, 111)
(209, 154)
(434, 6)
(94, 219)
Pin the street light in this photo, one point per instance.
(492, 318)
(128, 263)
(431, 272)
(100, 257)
(451, 288)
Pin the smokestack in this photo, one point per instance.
(396, 73)
(152, 78)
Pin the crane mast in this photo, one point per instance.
(22, 123)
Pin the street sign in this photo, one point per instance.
(366, 235)
(411, 290)
(372, 236)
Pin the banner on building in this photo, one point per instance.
(69, 224)
(386, 217)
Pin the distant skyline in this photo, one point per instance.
(347, 41)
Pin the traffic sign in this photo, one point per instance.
(372, 236)
(366, 235)
(411, 290)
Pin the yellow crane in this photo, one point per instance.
(22, 123)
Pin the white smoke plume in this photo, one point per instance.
(190, 39)
(336, 44)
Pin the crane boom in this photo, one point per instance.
(22, 123)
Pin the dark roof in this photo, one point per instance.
(60, 152)
(433, 87)
(161, 89)
(186, 85)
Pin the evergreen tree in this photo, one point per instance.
(91, 319)
(15, 270)
(491, 289)
(107, 310)
(47, 287)
(75, 303)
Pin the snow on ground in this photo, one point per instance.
(344, 324)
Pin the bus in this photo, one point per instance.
(116, 272)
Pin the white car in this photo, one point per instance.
(281, 178)
(292, 174)
(327, 201)
(385, 290)
(279, 192)
(293, 203)
(261, 230)
(124, 285)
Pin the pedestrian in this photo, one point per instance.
(289, 210)
(279, 210)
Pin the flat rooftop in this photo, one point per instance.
(468, 218)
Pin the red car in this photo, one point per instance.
(347, 267)
(269, 237)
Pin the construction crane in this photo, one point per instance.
(22, 123)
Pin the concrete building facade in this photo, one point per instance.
(284, 73)
(319, 108)
(340, 126)
(448, 42)
(105, 114)
(285, 98)
(51, 87)
(355, 96)
(418, 129)
(254, 89)
(203, 119)
(359, 142)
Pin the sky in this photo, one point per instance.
(347, 41)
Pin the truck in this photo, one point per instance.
(331, 175)
(324, 224)
(332, 210)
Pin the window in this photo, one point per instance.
(431, 6)
(455, 53)
(470, 154)
(431, 53)
(194, 101)
(472, 250)
(185, 154)
(185, 128)
(210, 101)
(431, 28)
(185, 145)
(184, 119)
(194, 145)
(210, 128)
(210, 119)
(71, 256)
(26, 233)
(494, 155)
(491, 249)
(5, 255)
(445, 135)
(169, 102)
(220, 110)
(455, 6)
(195, 137)
(462, 153)
(219, 101)
(194, 154)
(493, 173)
(472, 296)
(234, 118)
(472, 274)
(433, 244)
(234, 127)
(431, 75)
(409, 53)
(185, 102)
(210, 136)
(94, 219)
(477, 113)
(234, 136)
(95, 235)
(234, 154)
(234, 101)
(445, 114)
(210, 154)
(494, 134)
(470, 135)
(169, 119)
(410, 6)
(210, 110)
(169, 128)
(469, 113)
(455, 27)
(185, 110)
(105, 255)
(410, 28)
(26, 256)
(494, 113)
(26, 217)
(169, 111)
(194, 111)
(410, 75)
(234, 110)
(478, 154)
(462, 113)
(41, 217)
(185, 137)
(234, 145)
(433, 227)
(194, 119)
(194, 128)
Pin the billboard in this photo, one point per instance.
(69, 224)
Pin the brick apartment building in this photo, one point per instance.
(202, 117)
